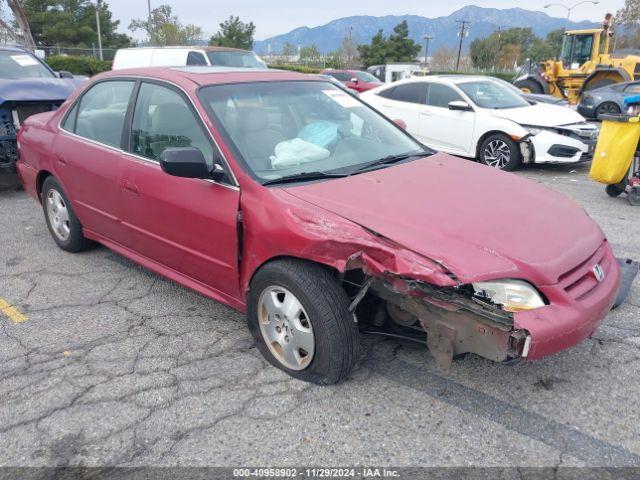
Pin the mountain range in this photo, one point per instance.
(444, 29)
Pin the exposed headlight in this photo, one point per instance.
(513, 295)
(533, 130)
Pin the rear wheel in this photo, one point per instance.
(499, 151)
(608, 108)
(615, 190)
(299, 316)
(63, 224)
(529, 85)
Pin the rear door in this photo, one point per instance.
(442, 128)
(187, 225)
(89, 158)
(403, 102)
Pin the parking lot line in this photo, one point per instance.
(12, 312)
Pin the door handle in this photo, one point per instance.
(130, 187)
(426, 113)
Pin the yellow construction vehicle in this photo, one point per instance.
(585, 64)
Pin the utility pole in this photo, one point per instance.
(462, 33)
(98, 29)
(427, 39)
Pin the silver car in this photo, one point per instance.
(607, 100)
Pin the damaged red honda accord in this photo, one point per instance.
(293, 201)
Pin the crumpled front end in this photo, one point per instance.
(12, 115)
(457, 321)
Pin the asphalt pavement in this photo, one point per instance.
(104, 363)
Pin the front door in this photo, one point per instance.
(187, 225)
(445, 129)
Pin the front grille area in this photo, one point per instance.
(581, 281)
(27, 109)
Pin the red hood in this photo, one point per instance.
(479, 222)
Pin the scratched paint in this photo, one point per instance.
(11, 312)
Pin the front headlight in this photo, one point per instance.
(533, 130)
(513, 295)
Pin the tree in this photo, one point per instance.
(288, 50)
(310, 54)
(505, 48)
(397, 48)
(400, 47)
(20, 17)
(234, 33)
(484, 52)
(554, 40)
(444, 59)
(628, 17)
(72, 23)
(376, 52)
(166, 29)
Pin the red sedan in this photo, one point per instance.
(354, 79)
(291, 200)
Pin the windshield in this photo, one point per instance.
(286, 128)
(489, 94)
(576, 50)
(367, 77)
(15, 65)
(235, 59)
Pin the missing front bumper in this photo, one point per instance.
(455, 326)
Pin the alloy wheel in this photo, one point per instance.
(497, 154)
(286, 328)
(58, 215)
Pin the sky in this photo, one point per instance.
(273, 17)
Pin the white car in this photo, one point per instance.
(478, 117)
(137, 57)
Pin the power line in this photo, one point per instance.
(463, 30)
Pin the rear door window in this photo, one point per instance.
(101, 112)
(413, 92)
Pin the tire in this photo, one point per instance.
(499, 151)
(615, 190)
(607, 108)
(63, 224)
(323, 311)
(529, 85)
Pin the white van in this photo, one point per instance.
(181, 56)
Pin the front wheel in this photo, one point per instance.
(499, 151)
(299, 317)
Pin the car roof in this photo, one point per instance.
(191, 47)
(208, 75)
(9, 48)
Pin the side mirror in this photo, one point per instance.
(401, 123)
(65, 74)
(189, 162)
(354, 80)
(459, 105)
